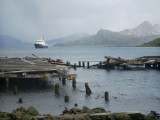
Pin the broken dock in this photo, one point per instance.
(28, 67)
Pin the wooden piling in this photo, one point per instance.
(75, 66)
(79, 63)
(88, 90)
(83, 64)
(60, 78)
(20, 100)
(66, 98)
(15, 90)
(147, 65)
(68, 63)
(155, 66)
(106, 96)
(158, 66)
(74, 82)
(87, 64)
(57, 88)
(63, 80)
(45, 78)
(7, 82)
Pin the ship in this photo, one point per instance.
(41, 44)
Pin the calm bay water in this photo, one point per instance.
(128, 90)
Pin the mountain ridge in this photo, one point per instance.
(144, 32)
(9, 41)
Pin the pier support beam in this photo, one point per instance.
(60, 78)
(57, 88)
(15, 90)
(74, 82)
(147, 65)
(75, 66)
(7, 82)
(83, 64)
(88, 90)
(155, 66)
(87, 64)
(63, 80)
(79, 63)
(106, 96)
(158, 66)
(45, 78)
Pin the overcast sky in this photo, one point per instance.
(28, 20)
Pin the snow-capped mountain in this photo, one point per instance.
(144, 29)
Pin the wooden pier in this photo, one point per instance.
(27, 68)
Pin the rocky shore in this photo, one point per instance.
(31, 113)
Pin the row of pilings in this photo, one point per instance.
(107, 65)
(87, 88)
(155, 65)
(57, 88)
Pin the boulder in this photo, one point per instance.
(98, 110)
(32, 111)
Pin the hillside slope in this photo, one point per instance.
(154, 43)
(8, 41)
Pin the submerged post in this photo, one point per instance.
(57, 88)
(158, 64)
(75, 66)
(88, 90)
(15, 90)
(88, 64)
(7, 82)
(106, 96)
(83, 64)
(74, 82)
(68, 63)
(79, 63)
(60, 78)
(66, 98)
(45, 78)
(63, 80)
(20, 100)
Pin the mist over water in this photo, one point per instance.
(136, 90)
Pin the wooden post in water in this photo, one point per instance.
(66, 98)
(88, 90)
(7, 82)
(60, 78)
(20, 100)
(100, 64)
(147, 65)
(75, 66)
(155, 65)
(45, 78)
(79, 63)
(83, 64)
(57, 88)
(106, 96)
(68, 63)
(15, 90)
(158, 65)
(74, 82)
(88, 64)
(63, 80)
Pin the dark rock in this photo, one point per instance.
(32, 111)
(98, 110)
(153, 115)
(75, 111)
(86, 110)
(49, 117)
